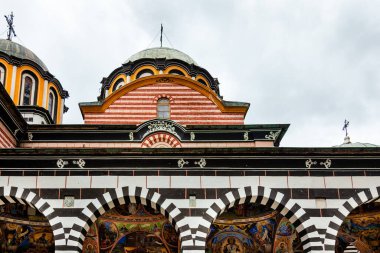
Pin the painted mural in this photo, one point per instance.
(131, 228)
(361, 229)
(24, 230)
(251, 228)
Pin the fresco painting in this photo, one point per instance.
(131, 228)
(361, 229)
(251, 228)
(24, 230)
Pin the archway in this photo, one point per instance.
(360, 229)
(130, 218)
(341, 223)
(273, 208)
(160, 140)
(28, 223)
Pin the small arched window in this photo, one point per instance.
(118, 84)
(163, 108)
(2, 75)
(52, 104)
(144, 72)
(176, 72)
(28, 94)
(202, 82)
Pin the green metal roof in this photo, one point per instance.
(161, 52)
(14, 49)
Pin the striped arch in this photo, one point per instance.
(265, 196)
(120, 196)
(156, 98)
(158, 138)
(360, 198)
(10, 194)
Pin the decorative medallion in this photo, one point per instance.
(272, 135)
(326, 163)
(61, 163)
(181, 163)
(81, 163)
(201, 163)
(157, 125)
(68, 201)
(309, 163)
(131, 136)
(246, 137)
(30, 136)
(192, 136)
(164, 80)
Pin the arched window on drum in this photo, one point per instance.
(118, 84)
(2, 74)
(52, 104)
(144, 73)
(28, 95)
(176, 72)
(163, 108)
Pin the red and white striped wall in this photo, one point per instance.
(187, 107)
(6, 138)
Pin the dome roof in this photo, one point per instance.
(348, 144)
(13, 49)
(161, 52)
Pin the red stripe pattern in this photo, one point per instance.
(187, 107)
(160, 140)
(6, 138)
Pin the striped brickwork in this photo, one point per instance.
(356, 200)
(187, 107)
(147, 143)
(120, 196)
(267, 197)
(161, 139)
(6, 138)
(10, 194)
(293, 196)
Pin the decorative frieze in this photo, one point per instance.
(309, 163)
(272, 135)
(181, 163)
(159, 125)
(201, 163)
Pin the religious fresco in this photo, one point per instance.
(361, 228)
(251, 228)
(131, 228)
(24, 230)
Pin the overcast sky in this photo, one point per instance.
(308, 63)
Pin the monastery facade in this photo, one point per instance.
(163, 163)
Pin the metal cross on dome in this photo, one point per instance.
(162, 30)
(345, 126)
(11, 31)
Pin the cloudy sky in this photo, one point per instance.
(308, 63)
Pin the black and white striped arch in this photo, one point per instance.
(265, 196)
(10, 194)
(120, 196)
(360, 198)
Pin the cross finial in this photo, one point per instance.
(162, 30)
(11, 31)
(345, 126)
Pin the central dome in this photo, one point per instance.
(161, 52)
(13, 49)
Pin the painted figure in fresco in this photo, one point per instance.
(90, 249)
(264, 237)
(231, 246)
(42, 240)
(282, 248)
